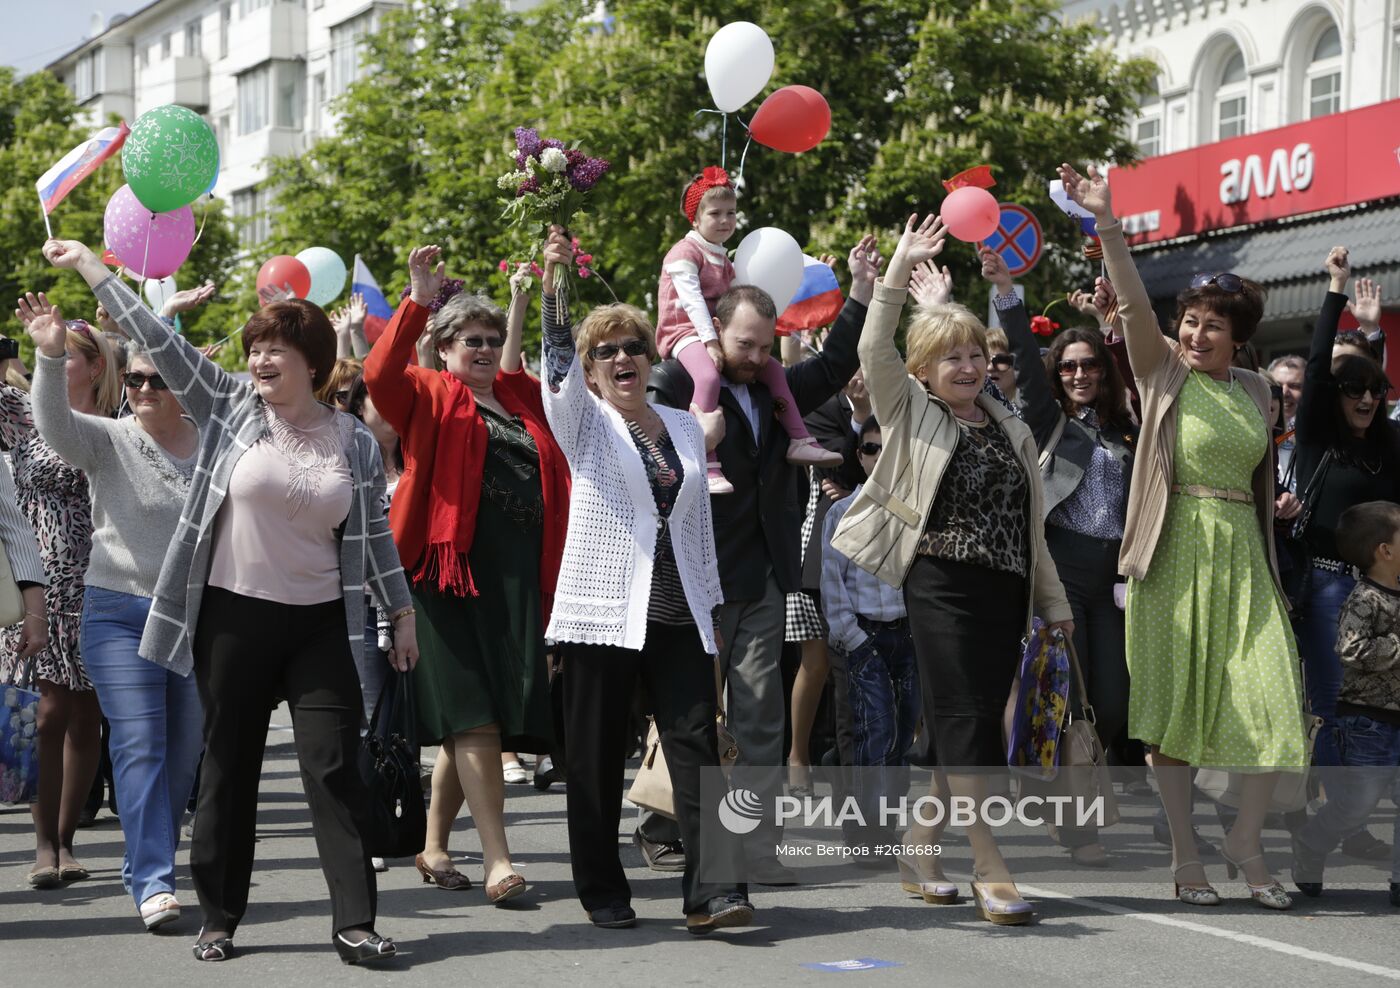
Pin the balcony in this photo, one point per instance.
(182, 79)
(277, 31)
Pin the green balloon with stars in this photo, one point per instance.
(170, 158)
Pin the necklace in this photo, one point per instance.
(310, 456)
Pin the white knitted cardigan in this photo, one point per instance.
(605, 575)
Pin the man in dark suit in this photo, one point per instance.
(757, 528)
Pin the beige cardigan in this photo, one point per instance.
(880, 533)
(1161, 371)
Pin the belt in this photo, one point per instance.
(1224, 494)
(1331, 565)
(894, 625)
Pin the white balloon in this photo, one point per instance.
(327, 272)
(772, 260)
(158, 292)
(738, 64)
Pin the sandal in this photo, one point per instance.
(73, 873)
(45, 878)
(505, 890)
(220, 949)
(449, 879)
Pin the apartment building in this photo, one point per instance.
(1272, 134)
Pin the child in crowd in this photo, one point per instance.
(870, 631)
(1368, 706)
(695, 273)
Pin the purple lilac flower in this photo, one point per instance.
(575, 157)
(531, 184)
(550, 142)
(450, 287)
(527, 142)
(585, 175)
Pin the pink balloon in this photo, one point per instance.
(972, 214)
(151, 245)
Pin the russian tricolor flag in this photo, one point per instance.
(78, 164)
(379, 311)
(818, 300)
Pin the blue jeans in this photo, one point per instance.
(156, 723)
(1317, 638)
(1370, 751)
(885, 701)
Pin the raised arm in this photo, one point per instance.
(74, 437)
(813, 382)
(391, 380)
(1147, 347)
(1042, 412)
(515, 320)
(568, 404)
(1314, 419)
(202, 386)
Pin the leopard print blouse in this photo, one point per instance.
(981, 512)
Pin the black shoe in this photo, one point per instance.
(1395, 894)
(720, 913)
(618, 916)
(771, 872)
(1307, 869)
(543, 780)
(662, 855)
(1366, 846)
(371, 948)
(214, 950)
(1162, 834)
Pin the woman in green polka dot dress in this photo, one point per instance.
(1215, 674)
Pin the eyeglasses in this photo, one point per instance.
(1355, 390)
(607, 351)
(481, 342)
(136, 381)
(1089, 365)
(1224, 280)
(1003, 361)
(870, 449)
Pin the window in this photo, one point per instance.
(318, 97)
(1231, 99)
(194, 38)
(250, 216)
(144, 59)
(254, 90)
(1324, 75)
(221, 134)
(289, 95)
(347, 41)
(165, 45)
(225, 18)
(85, 77)
(1147, 132)
(246, 7)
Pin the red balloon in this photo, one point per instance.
(972, 214)
(284, 272)
(793, 119)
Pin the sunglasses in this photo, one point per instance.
(1003, 361)
(1224, 280)
(607, 351)
(1069, 368)
(136, 381)
(1355, 390)
(870, 449)
(481, 342)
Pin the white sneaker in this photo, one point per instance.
(160, 909)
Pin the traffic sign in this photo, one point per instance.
(1018, 239)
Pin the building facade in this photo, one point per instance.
(1272, 135)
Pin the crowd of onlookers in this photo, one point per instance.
(548, 556)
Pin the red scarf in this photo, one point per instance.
(455, 494)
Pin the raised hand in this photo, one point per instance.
(44, 323)
(558, 255)
(187, 299)
(68, 254)
(1338, 267)
(921, 241)
(1082, 302)
(340, 321)
(1091, 192)
(520, 279)
(929, 285)
(1366, 307)
(356, 310)
(994, 269)
(426, 273)
(864, 261)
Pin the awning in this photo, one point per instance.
(1286, 258)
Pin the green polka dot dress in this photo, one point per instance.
(1215, 677)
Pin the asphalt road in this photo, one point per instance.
(1128, 931)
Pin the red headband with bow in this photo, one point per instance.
(710, 178)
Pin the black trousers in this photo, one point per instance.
(247, 653)
(679, 680)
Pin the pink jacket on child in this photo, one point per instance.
(694, 275)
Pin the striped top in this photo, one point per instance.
(17, 535)
(665, 473)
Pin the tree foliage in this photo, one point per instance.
(38, 126)
(918, 92)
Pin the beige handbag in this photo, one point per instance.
(1083, 768)
(11, 601)
(651, 788)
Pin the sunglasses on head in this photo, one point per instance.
(606, 351)
(1355, 390)
(1003, 361)
(136, 381)
(870, 449)
(1224, 280)
(481, 342)
(1069, 368)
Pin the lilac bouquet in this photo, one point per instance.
(549, 185)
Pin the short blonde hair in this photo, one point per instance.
(345, 370)
(94, 345)
(608, 320)
(936, 329)
(996, 340)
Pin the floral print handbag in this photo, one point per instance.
(19, 743)
(1042, 701)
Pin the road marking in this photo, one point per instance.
(1247, 938)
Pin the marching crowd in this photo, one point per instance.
(1221, 545)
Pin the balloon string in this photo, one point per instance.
(146, 258)
(723, 134)
(204, 217)
(742, 158)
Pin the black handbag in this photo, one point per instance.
(395, 819)
(1295, 563)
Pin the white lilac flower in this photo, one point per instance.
(554, 160)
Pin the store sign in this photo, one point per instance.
(1336, 160)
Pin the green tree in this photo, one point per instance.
(38, 125)
(917, 94)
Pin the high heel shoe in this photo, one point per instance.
(1002, 912)
(1193, 895)
(1271, 896)
(371, 948)
(937, 893)
(449, 878)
